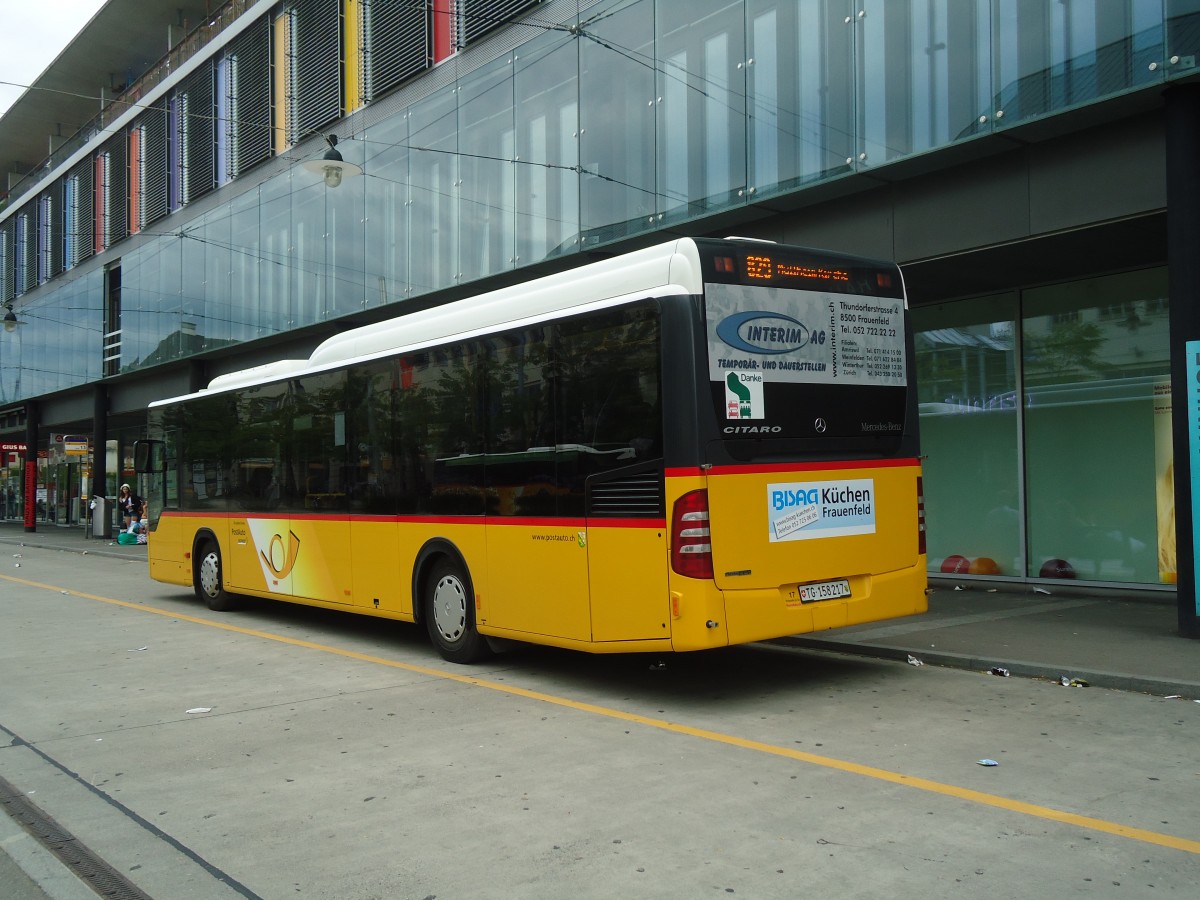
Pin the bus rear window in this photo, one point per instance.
(798, 363)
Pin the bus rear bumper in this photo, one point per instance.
(763, 614)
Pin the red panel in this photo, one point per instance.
(444, 24)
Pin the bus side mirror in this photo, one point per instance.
(149, 457)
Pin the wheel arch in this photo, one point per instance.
(427, 557)
(199, 539)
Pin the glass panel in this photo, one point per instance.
(616, 94)
(316, 452)
(924, 74)
(345, 237)
(377, 483)
(433, 137)
(244, 255)
(274, 261)
(386, 165)
(800, 91)
(487, 143)
(194, 250)
(1095, 353)
(1183, 36)
(1050, 56)
(60, 345)
(258, 449)
(608, 410)
(547, 92)
(701, 64)
(521, 459)
(967, 390)
(85, 301)
(224, 321)
(441, 405)
(308, 263)
(139, 330)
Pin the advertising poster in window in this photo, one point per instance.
(1192, 351)
(1164, 481)
(765, 334)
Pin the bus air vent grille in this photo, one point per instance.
(632, 496)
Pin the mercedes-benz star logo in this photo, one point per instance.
(819, 426)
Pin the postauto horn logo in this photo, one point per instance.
(757, 331)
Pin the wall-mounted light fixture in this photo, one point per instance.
(331, 166)
(10, 318)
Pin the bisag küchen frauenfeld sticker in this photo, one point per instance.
(803, 510)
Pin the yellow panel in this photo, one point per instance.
(168, 552)
(323, 562)
(259, 555)
(539, 580)
(630, 600)
(378, 581)
(282, 78)
(352, 55)
(745, 557)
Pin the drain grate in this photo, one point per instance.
(86, 865)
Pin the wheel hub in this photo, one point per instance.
(450, 608)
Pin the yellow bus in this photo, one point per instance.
(698, 444)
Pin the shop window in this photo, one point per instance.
(968, 401)
(1098, 430)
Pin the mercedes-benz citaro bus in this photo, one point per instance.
(699, 444)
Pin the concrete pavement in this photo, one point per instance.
(1106, 641)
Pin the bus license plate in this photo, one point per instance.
(823, 590)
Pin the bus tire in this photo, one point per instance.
(450, 614)
(210, 578)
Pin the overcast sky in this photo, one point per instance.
(33, 33)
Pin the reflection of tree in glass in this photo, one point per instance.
(454, 404)
(1070, 348)
(602, 367)
(940, 372)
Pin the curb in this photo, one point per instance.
(101, 548)
(1119, 681)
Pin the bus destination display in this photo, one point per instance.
(766, 268)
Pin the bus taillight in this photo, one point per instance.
(691, 540)
(921, 515)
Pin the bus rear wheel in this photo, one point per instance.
(450, 614)
(210, 579)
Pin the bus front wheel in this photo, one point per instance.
(210, 578)
(450, 614)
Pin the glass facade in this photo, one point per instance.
(625, 118)
(1046, 418)
(649, 112)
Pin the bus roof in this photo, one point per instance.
(670, 268)
(675, 264)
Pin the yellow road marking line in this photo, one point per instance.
(936, 787)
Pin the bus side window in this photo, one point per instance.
(609, 403)
(520, 461)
